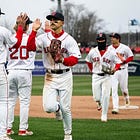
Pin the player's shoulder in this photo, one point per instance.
(110, 47)
(4, 29)
(123, 45)
(67, 35)
(93, 49)
(41, 36)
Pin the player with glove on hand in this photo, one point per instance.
(60, 52)
(102, 62)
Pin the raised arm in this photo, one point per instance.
(31, 46)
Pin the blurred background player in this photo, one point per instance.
(101, 81)
(125, 54)
(6, 40)
(20, 66)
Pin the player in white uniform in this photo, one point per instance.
(121, 76)
(20, 66)
(58, 77)
(101, 82)
(6, 40)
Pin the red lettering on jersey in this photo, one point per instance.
(23, 53)
(96, 59)
(106, 60)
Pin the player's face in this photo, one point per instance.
(56, 24)
(114, 40)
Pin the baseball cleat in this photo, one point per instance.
(58, 115)
(115, 111)
(104, 118)
(6, 138)
(68, 137)
(25, 133)
(127, 102)
(10, 131)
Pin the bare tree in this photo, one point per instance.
(82, 24)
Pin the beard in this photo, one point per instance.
(102, 45)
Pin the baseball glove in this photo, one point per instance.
(55, 50)
(107, 70)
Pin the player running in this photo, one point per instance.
(102, 62)
(58, 78)
(125, 54)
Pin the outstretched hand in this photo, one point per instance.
(36, 24)
(21, 19)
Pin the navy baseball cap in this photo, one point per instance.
(1, 13)
(29, 21)
(101, 36)
(115, 35)
(56, 15)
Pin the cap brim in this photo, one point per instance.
(110, 35)
(49, 17)
(2, 13)
(29, 22)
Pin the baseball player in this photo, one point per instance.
(125, 54)
(102, 62)
(58, 78)
(20, 66)
(6, 40)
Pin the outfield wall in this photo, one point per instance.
(81, 68)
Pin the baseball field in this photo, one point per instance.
(86, 118)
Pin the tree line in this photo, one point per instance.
(84, 25)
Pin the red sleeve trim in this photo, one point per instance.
(117, 66)
(90, 66)
(19, 34)
(31, 46)
(129, 59)
(70, 61)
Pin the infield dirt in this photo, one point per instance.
(84, 107)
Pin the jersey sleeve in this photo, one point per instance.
(9, 38)
(89, 57)
(72, 47)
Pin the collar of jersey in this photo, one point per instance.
(57, 35)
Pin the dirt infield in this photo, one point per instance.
(84, 107)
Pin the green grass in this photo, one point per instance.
(82, 85)
(83, 129)
(50, 129)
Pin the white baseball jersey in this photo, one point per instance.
(6, 40)
(67, 42)
(21, 58)
(124, 51)
(109, 59)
